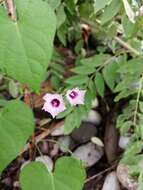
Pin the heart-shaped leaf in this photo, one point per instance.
(26, 45)
(35, 176)
(16, 125)
(68, 175)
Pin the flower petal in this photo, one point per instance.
(75, 96)
(53, 109)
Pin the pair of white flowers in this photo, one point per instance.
(54, 103)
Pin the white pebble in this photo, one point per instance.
(123, 142)
(58, 132)
(95, 103)
(111, 182)
(64, 143)
(93, 117)
(45, 160)
(88, 153)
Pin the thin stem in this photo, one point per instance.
(100, 173)
(137, 101)
(127, 46)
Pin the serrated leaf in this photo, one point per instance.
(69, 174)
(99, 83)
(110, 11)
(69, 124)
(83, 70)
(88, 99)
(61, 16)
(26, 45)
(129, 27)
(65, 113)
(125, 93)
(16, 126)
(95, 60)
(98, 5)
(110, 74)
(77, 80)
(132, 66)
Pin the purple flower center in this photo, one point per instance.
(73, 94)
(55, 102)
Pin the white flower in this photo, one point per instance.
(75, 96)
(54, 104)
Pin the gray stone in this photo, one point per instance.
(64, 143)
(84, 132)
(123, 142)
(111, 182)
(125, 179)
(88, 153)
(93, 117)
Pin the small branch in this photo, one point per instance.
(137, 101)
(41, 136)
(127, 46)
(11, 9)
(100, 173)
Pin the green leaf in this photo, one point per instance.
(70, 123)
(99, 83)
(110, 74)
(26, 45)
(68, 175)
(110, 11)
(13, 89)
(141, 106)
(129, 27)
(89, 96)
(83, 70)
(77, 80)
(3, 102)
(61, 16)
(95, 60)
(55, 81)
(16, 126)
(140, 181)
(132, 66)
(35, 176)
(65, 113)
(98, 5)
(54, 3)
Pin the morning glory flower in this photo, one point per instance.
(54, 104)
(75, 96)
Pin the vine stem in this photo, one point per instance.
(137, 101)
(127, 46)
(11, 9)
